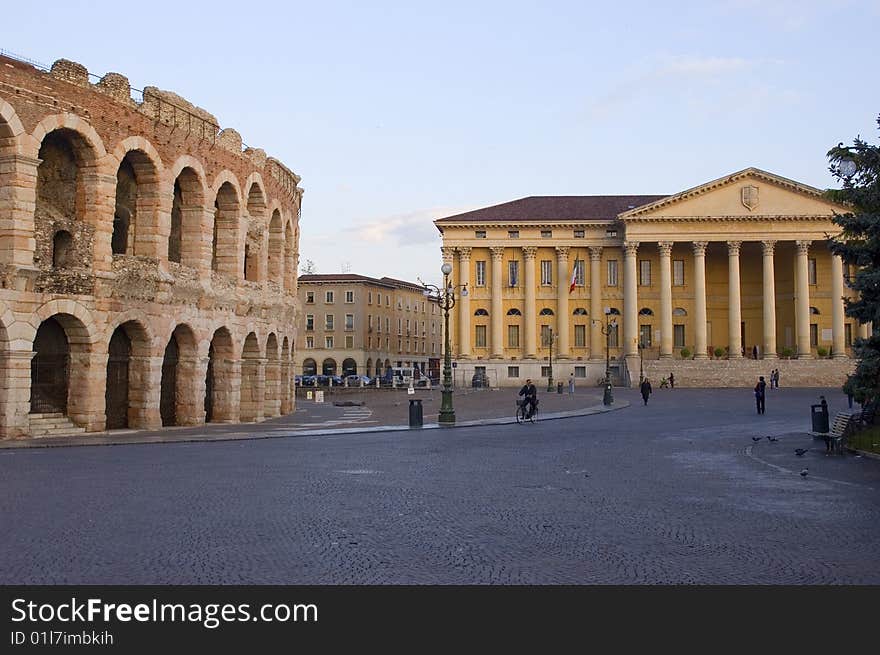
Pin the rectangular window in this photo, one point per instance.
(480, 336)
(579, 268)
(580, 336)
(328, 342)
(513, 336)
(328, 297)
(310, 297)
(349, 321)
(678, 272)
(546, 273)
(387, 324)
(847, 335)
(480, 234)
(612, 273)
(481, 273)
(546, 234)
(613, 340)
(349, 296)
(645, 272)
(349, 342)
(513, 371)
(678, 336)
(580, 371)
(645, 336)
(424, 332)
(400, 345)
(814, 334)
(578, 234)
(310, 342)
(328, 321)
(370, 322)
(545, 371)
(310, 322)
(387, 300)
(399, 326)
(811, 269)
(545, 336)
(513, 274)
(370, 298)
(513, 234)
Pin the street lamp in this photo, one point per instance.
(641, 362)
(445, 298)
(607, 396)
(550, 368)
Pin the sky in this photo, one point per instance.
(399, 113)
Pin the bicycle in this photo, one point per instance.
(521, 413)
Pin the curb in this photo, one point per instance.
(128, 440)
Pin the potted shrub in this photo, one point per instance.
(822, 351)
(685, 353)
(787, 353)
(719, 352)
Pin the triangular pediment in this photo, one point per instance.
(748, 193)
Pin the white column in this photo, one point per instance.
(464, 304)
(769, 300)
(497, 350)
(665, 298)
(597, 312)
(562, 283)
(802, 300)
(734, 315)
(700, 317)
(529, 317)
(630, 300)
(838, 340)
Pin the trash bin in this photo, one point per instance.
(559, 388)
(820, 419)
(415, 412)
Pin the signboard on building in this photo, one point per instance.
(319, 396)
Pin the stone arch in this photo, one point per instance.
(580, 311)
(814, 311)
(252, 380)
(514, 312)
(226, 226)
(10, 125)
(180, 387)
(254, 248)
(328, 366)
(646, 311)
(276, 249)
(82, 331)
(349, 367)
(679, 311)
(272, 404)
(221, 379)
(481, 312)
(309, 366)
(369, 367)
(129, 393)
(136, 220)
(546, 312)
(187, 213)
(73, 123)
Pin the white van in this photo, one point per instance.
(403, 375)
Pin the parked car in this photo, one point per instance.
(355, 380)
(324, 380)
(307, 380)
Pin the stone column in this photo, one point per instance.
(144, 392)
(529, 317)
(497, 345)
(15, 394)
(18, 179)
(286, 396)
(190, 392)
(562, 284)
(734, 301)
(700, 318)
(99, 210)
(802, 300)
(838, 339)
(272, 403)
(630, 300)
(597, 311)
(86, 402)
(666, 335)
(769, 300)
(253, 390)
(464, 304)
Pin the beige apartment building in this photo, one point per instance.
(352, 324)
(697, 283)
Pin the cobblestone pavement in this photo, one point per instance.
(673, 492)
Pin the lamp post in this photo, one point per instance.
(607, 396)
(550, 371)
(641, 362)
(445, 298)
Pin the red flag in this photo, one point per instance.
(573, 276)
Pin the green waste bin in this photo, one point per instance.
(415, 412)
(820, 419)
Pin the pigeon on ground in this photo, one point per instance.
(756, 439)
(772, 439)
(804, 472)
(800, 451)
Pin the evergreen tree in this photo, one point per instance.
(858, 168)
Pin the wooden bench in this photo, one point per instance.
(841, 428)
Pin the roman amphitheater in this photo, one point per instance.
(147, 260)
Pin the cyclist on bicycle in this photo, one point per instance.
(530, 400)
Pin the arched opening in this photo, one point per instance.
(276, 249)
(310, 367)
(252, 383)
(168, 394)
(184, 241)
(580, 311)
(62, 249)
(137, 197)
(253, 238)
(61, 198)
(220, 382)
(646, 311)
(328, 367)
(116, 393)
(481, 312)
(514, 312)
(272, 405)
(546, 312)
(50, 369)
(251, 261)
(178, 396)
(814, 310)
(679, 311)
(289, 264)
(349, 367)
(224, 247)
(369, 368)
(176, 233)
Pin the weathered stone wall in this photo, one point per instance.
(745, 372)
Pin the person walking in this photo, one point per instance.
(671, 381)
(645, 388)
(760, 391)
(776, 376)
(530, 397)
(754, 352)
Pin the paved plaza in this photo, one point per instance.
(673, 492)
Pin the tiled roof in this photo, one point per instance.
(353, 277)
(549, 208)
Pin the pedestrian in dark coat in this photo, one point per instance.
(760, 392)
(645, 388)
(671, 381)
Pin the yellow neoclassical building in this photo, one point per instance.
(719, 284)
